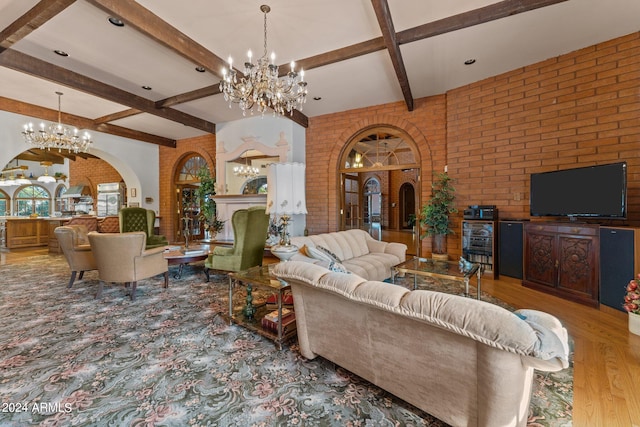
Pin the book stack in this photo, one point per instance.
(270, 321)
(287, 301)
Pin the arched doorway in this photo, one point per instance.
(407, 206)
(386, 157)
(187, 203)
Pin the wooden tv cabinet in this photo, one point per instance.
(563, 259)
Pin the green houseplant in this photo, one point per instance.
(205, 192)
(434, 217)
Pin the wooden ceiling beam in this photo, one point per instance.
(27, 64)
(33, 19)
(116, 116)
(48, 114)
(468, 19)
(381, 7)
(152, 26)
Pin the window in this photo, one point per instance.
(4, 204)
(33, 199)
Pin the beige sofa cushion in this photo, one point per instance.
(355, 249)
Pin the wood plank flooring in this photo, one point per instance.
(607, 356)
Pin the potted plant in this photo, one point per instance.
(205, 192)
(434, 217)
(632, 305)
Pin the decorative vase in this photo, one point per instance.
(634, 323)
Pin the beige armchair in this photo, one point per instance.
(76, 249)
(122, 258)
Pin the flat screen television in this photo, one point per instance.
(593, 192)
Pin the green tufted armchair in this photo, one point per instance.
(250, 234)
(140, 219)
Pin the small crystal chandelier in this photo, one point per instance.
(246, 171)
(260, 85)
(56, 135)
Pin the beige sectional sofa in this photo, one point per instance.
(356, 250)
(464, 361)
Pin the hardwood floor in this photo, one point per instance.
(607, 356)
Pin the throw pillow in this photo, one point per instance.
(333, 256)
(318, 254)
(336, 267)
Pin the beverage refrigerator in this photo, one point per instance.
(110, 198)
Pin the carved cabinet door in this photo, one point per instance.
(578, 269)
(540, 255)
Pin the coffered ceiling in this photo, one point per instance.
(356, 53)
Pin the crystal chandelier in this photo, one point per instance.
(260, 85)
(246, 170)
(56, 135)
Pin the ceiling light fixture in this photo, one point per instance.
(61, 52)
(56, 135)
(260, 85)
(469, 61)
(46, 177)
(115, 21)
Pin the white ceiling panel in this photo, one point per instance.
(126, 59)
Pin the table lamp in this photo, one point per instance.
(285, 197)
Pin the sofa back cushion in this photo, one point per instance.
(481, 321)
(344, 244)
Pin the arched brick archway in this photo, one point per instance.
(414, 136)
(408, 168)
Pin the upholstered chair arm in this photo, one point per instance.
(223, 251)
(150, 263)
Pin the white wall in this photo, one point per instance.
(269, 131)
(137, 162)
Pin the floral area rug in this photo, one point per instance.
(171, 359)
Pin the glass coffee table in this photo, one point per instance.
(250, 315)
(442, 269)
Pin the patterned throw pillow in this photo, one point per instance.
(333, 256)
(336, 267)
(318, 254)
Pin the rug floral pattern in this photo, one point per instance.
(171, 359)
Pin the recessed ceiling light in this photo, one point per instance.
(469, 61)
(200, 69)
(145, 87)
(115, 21)
(60, 52)
(317, 98)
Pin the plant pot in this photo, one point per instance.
(440, 257)
(634, 323)
(439, 244)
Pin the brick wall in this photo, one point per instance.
(92, 172)
(578, 109)
(327, 136)
(170, 158)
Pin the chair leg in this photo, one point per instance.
(73, 278)
(81, 274)
(133, 290)
(166, 279)
(100, 286)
